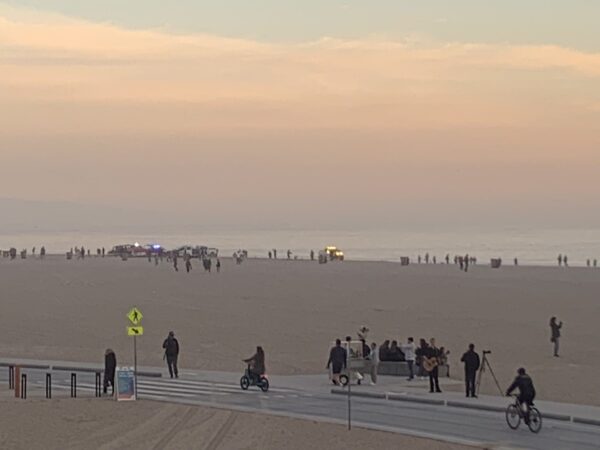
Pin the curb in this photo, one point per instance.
(388, 396)
(426, 401)
(584, 421)
(377, 395)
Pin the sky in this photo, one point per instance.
(314, 113)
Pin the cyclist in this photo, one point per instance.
(526, 392)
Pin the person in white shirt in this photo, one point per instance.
(374, 357)
(409, 355)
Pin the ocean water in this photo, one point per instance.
(539, 247)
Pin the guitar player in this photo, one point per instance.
(432, 356)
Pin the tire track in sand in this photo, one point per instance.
(216, 441)
(162, 444)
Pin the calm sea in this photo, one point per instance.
(530, 247)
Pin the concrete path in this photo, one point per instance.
(391, 406)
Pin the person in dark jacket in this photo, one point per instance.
(171, 346)
(256, 364)
(110, 365)
(472, 363)
(555, 334)
(524, 384)
(337, 361)
(384, 351)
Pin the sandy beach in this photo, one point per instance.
(73, 310)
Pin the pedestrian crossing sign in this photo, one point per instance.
(135, 331)
(135, 316)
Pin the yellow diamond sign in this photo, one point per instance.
(135, 316)
(135, 331)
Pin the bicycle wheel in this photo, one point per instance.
(513, 416)
(535, 420)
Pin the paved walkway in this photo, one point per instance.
(393, 405)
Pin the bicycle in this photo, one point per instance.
(515, 413)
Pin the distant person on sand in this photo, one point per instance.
(447, 258)
(171, 346)
(466, 263)
(188, 263)
(289, 254)
(419, 259)
(175, 262)
(103, 252)
(337, 361)
(472, 363)
(33, 251)
(110, 365)
(559, 260)
(435, 259)
(595, 263)
(516, 262)
(426, 258)
(270, 255)
(43, 252)
(409, 356)
(274, 253)
(555, 334)
(312, 255)
(218, 265)
(565, 261)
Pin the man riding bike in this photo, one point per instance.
(524, 383)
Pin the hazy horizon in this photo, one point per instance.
(328, 115)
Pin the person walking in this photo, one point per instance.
(337, 361)
(171, 346)
(555, 334)
(110, 366)
(409, 356)
(374, 358)
(472, 362)
(188, 263)
(42, 252)
(175, 262)
(559, 260)
(218, 265)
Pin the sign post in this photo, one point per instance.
(135, 316)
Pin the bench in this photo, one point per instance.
(400, 369)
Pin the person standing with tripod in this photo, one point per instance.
(472, 363)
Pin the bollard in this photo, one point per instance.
(48, 385)
(24, 386)
(17, 381)
(73, 385)
(98, 388)
(11, 377)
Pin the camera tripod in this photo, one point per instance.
(485, 362)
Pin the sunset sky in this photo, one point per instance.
(315, 112)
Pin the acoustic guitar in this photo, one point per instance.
(430, 363)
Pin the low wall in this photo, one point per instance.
(400, 369)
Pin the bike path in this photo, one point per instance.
(310, 397)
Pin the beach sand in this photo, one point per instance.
(82, 424)
(73, 310)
